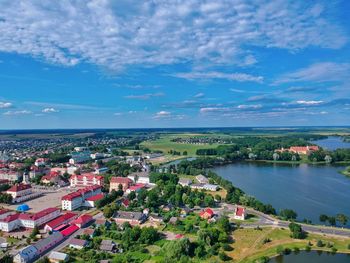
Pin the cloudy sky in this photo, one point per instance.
(174, 63)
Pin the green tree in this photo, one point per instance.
(288, 214)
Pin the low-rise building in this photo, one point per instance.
(135, 188)
(77, 199)
(140, 177)
(77, 243)
(185, 181)
(58, 257)
(239, 213)
(63, 219)
(117, 182)
(22, 192)
(91, 201)
(83, 220)
(108, 245)
(207, 213)
(133, 218)
(202, 179)
(11, 175)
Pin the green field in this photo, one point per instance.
(165, 144)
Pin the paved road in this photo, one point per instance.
(265, 220)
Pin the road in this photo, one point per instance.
(265, 220)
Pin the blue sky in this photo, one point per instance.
(120, 64)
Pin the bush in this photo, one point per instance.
(334, 250)
(348, 246)
(307, 248)
(224, 257)
(227, 247)
(263, 260)
(296, 249)
(287, 251)
(319, 243)
(279, 250)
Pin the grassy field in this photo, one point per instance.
(165, 144)
(249, 243)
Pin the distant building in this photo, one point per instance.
(108, 245)
(79, 157)
(115, 182)
(185, 181)
(22, 192)
(58, 257)
(135, 188)
(40, 162)
(77, 243)
(300, 149)
(86, 179)
(202, 179)
(8, 174)
(140, 177)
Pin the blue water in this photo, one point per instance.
(332, 143)
(307, 189)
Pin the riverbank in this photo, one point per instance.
(253, 244)
(346, 172)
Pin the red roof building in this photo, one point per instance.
(95, 197)
(63, 219)
(300, 149)
(207, 213)
(83, 220)
(135, 188)
(115, 182)
(239, 213)
(69, 230)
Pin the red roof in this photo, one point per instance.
(71, 196)
(121, 180)
(304, 148)
(40, 214)
(19, 187)
(136, 187)
(207, 211)
(95, 197)
(83, 219)
(61, 219)
(4, 211)
(69, 230)
(240, 211)
(10, 218)
(126, 202)
(89, 176)
(178, 236)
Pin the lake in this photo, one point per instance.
(310, 190)
(312, 257)
(332, 143)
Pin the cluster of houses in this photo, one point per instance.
(203, 183)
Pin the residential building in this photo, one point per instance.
(210, 187)
(115, 182)
(40, 218)
(58, 257)
(77, 199)
(239, 213)
(79, 157)
(133, 218)
(77, 243)
(135, 188)
(202, 179)
(108, 245)
(40, 162)
(86, 179)
(185, 181)
(25, 255)
(22, 192)
(140, 177)
(52, 178)
(300, 149)
(83, 220)
(8, 174)
(207, 213)
(91, 201)
(101, 170)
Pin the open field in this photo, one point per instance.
(165, 144)
(249, 243)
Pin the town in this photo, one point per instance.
(76, 203)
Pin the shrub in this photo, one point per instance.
(307, 248)
(263, 260)
(224, 257)
(287, 251)
(334, 250)
(319, 243)
(348, 246)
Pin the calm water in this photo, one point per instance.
(309, 190)
(332, 143)
(312, 257)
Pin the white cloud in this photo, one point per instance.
(309, 102)
(49, 110)
(241, 77)
(118, 114)
(5, 105)
(250, 106)
(213, 109)
(116, 34)
(19, 112)
(199, 95)
(145, 96)
(167, 115)
(318, 72)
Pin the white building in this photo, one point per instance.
(211, 187)
(79, 157)
(40, 162)
(202, 179)
(77, 199)
(185, 181)
(25, 255)
(140, 177)
(8, 174)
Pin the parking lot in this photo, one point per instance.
(50, 198)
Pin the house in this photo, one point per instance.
(135, 188)
(20, 192)
(239, 213)
(185, 211)
(83, 220)
(86, 179)
(102, 222)
(101, 170)
(202, 179)
(154, 218)
(58, 257)
(79, 157)
(140, 177)
(300, 149)
(89, 232)
(167, 208)
(173, 220)
(9, 223)
(10, 175)
(77, 243)
(211, 187)
(66, 232)
(207, 213)
(40, 162)
(133, 218)
(61, 220)
(185, 181)
(117, 182)
(52, 178)
(108, 246)
(91, 201)
(125, 203)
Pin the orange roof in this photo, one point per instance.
(19, 187)
(121, 180)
